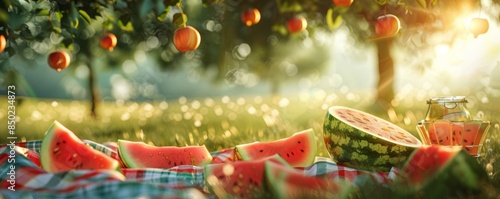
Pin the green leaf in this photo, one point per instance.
(23, 4)
(85, 16)
(55, 18)
(171, 2)
(146, 7)
(164, 15)
(42, 5)
(107, 25)
(43, 12)
(179, 19)
(126, 26)
(333, 19)
(422, 3)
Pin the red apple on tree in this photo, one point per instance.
(186, 39)
(296, 24)
(478, 26)
(108, 41)
(3, 43)
(59, 60)
(387, 26)
(250, 16)
(342, 3)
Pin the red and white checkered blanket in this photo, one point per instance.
(31, 181)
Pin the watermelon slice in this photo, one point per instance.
(142, 155)
(240, 179)
(438, 171)
(285, 182)
(299, 150)
(363, 141)
(469, 134)
(62, 150)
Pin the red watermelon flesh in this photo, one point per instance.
(440, 132)
(299, 150)
(426, 160)
(468, 134)
(62, 150)
(285, 182)
(240, 179)
(436, 171)
(142, 155)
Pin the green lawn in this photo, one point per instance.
(219, 122)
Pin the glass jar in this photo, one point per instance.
(449, 123)
(452, 108)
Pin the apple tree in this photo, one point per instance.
(284, 44)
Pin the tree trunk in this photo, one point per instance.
(385, 89)
(94, 96)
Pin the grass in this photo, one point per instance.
(225, 121)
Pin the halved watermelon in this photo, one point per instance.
(240, 179)
(285, 182)
(299, 150)
(440, 171)
(363, 141)
(62, 150)
(142, 155)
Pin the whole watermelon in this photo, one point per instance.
(363, 141)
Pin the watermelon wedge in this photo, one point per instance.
(438, 171)
(299, 150)
(285, 182)
(142, 155)
(240, 179)
(363, 141)
(62, 150)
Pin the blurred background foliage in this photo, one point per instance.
(236, 53)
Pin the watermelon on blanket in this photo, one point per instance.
(285, 182)
(62, 150)
(299, 150)
(142, 155)
(438, 171)
(363, 141)
(240, 179)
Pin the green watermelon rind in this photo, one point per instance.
(130, 161)
(45, 161)
(309, 159)
(276, 184)
(462, 174)
(357, 148)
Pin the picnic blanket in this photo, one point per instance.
(22, 177)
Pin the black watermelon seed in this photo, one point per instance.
(465, 140)
(287, 155)
(293, 153)
(261, 150)
(302, 150)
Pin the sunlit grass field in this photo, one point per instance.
(225, 121)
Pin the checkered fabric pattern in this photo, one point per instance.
(184, 181)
